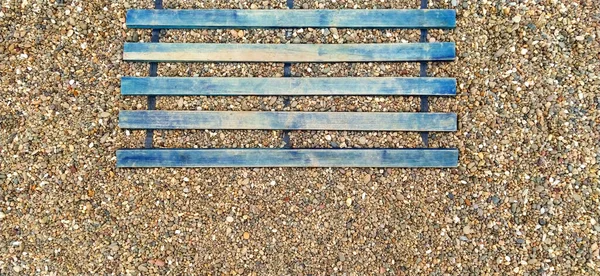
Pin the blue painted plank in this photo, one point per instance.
(385, 86)
(201, 52)
(404, 158)
(361, 121)
(240, 19)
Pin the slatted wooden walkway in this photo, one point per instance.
(153, 86)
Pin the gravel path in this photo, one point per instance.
(525, 199)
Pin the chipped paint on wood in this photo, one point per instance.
(405, 158)
(361, 121)
(240, 19)
(383, 86)
(209, 52)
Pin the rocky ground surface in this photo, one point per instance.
(524, 200)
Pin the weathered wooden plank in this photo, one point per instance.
(361, 121)
(405, 158)
(201, 52)
(169, 86)
(240, 19)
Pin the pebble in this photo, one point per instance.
(467, 230)
(362, 140)
(495, 199)
(229, 219)
(500, 52)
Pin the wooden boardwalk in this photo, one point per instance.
(423, 87)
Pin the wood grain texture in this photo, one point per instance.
(385, 86)
(405, 158)
(203, 52)
(361, 121)
(240, 19)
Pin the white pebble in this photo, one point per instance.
(229, 219)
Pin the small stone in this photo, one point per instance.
(362, 140)
(517, 19)
(142, 268)
(229, 219)
(542, 221)
(104, 115)
(463, 238)
(113, 247)
(240, 33)
(157, 262)
(520, 241)
(2, 216)
(17, 268)
(367, 178)
(495, 199)
(253, 6)
(349, 202)
(467, 230)
(451, 196)
(580, 38)
(246, 235)
(233, 33)
(500, 52)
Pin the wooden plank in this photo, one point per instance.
(211, 52)
(405, 158)
(361, 121)
(241, 19)
(167, 86)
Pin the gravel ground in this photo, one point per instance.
(524, 200)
